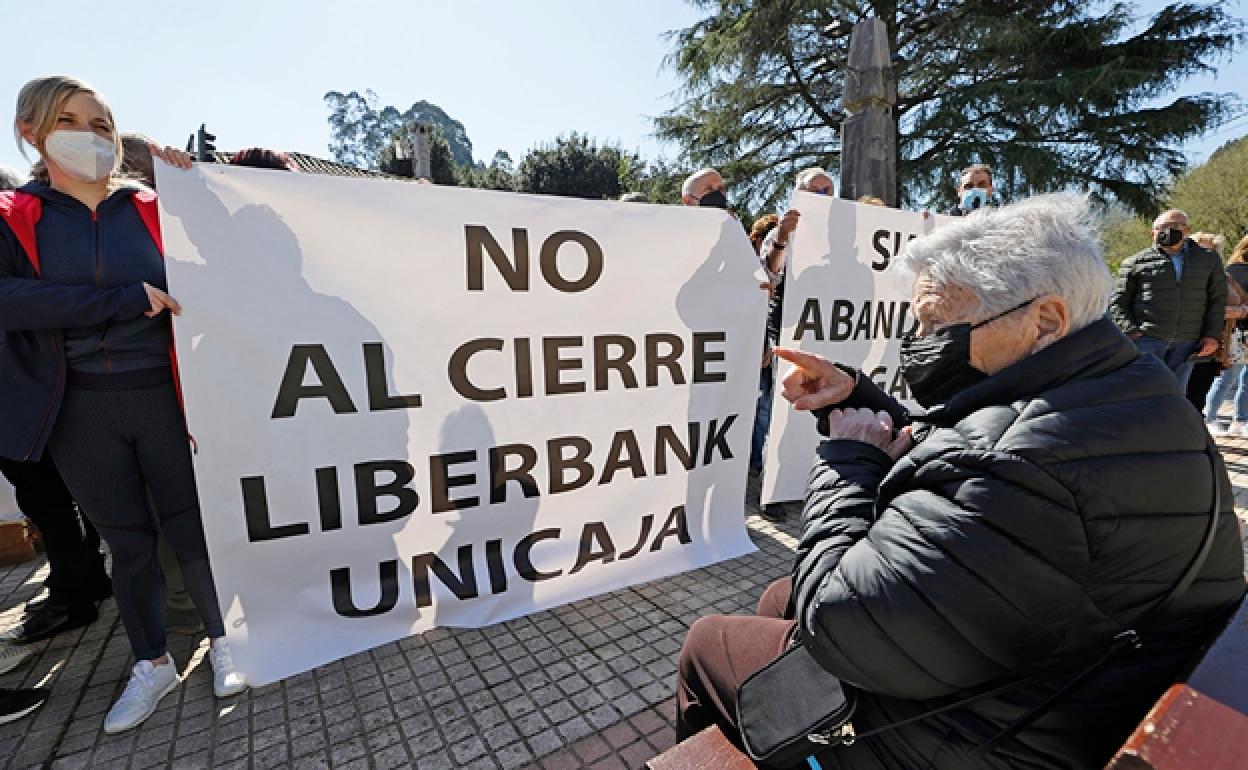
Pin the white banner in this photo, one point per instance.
(839, 304)
(418, 406)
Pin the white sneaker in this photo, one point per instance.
(1216, 429)
(148, 684)
(12, 655)
(226, 680)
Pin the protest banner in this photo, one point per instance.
(839, 303)
(418, 406)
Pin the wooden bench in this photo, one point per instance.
(1199, 724)
(1203, 722)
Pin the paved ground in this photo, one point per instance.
(585, 685)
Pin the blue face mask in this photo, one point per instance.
(974, 199)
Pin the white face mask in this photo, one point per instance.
(83, 155)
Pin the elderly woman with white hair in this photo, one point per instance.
(1012, 578)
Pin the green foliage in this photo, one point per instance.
(1051, 93)
(1123, 234)
(660, 181)
(499, 175)
(576, 166)
(452, 131)
(442, 168)
(362, 131)
(1215, 195)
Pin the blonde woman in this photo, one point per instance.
(87, 370)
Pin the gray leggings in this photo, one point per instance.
(112, 446)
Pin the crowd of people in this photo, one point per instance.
(968, 571)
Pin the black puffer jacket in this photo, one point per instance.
(1148, 298)
(1042, 512)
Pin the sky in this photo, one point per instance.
(516, 74)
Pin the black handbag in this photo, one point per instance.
(793, 708)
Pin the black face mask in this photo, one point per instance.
(714, 199)
(1171, 236)
(939, 365)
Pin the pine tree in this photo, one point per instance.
(1051, 93)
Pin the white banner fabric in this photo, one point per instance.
(419, 406)
(839, 303)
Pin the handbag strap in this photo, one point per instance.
(1126, 639)
(1129, 638)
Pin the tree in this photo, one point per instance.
(361, 130)
(659, 181)
(453, 132)
(499, 175)
(1123, 234)
(575, 166)
(1051, 93)
(442, 168)
(1215, 194)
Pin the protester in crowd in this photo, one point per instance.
(772, 251)
(1233, 350)
(1206, 368)
(974, 190)
(1007, 538)
(1171, 297)
(107, 411)
(704, 187)
(761, 227)
(77, 581)
(260, 157)
(181, 616)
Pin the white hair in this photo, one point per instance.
(686, 189)
(805, 176)
(1005, 256)
(10, 178)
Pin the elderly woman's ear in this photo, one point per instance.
(1052, 319)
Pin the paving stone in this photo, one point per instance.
(588, 684)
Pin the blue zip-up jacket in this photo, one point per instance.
(81, 311)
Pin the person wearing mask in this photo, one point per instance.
(1171, 297)
(1206, 368)
(974, 190)
(77, 580)
(106, 408)
(773, 251)
(1234, 352)
(1007, 543)
(704, 187)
